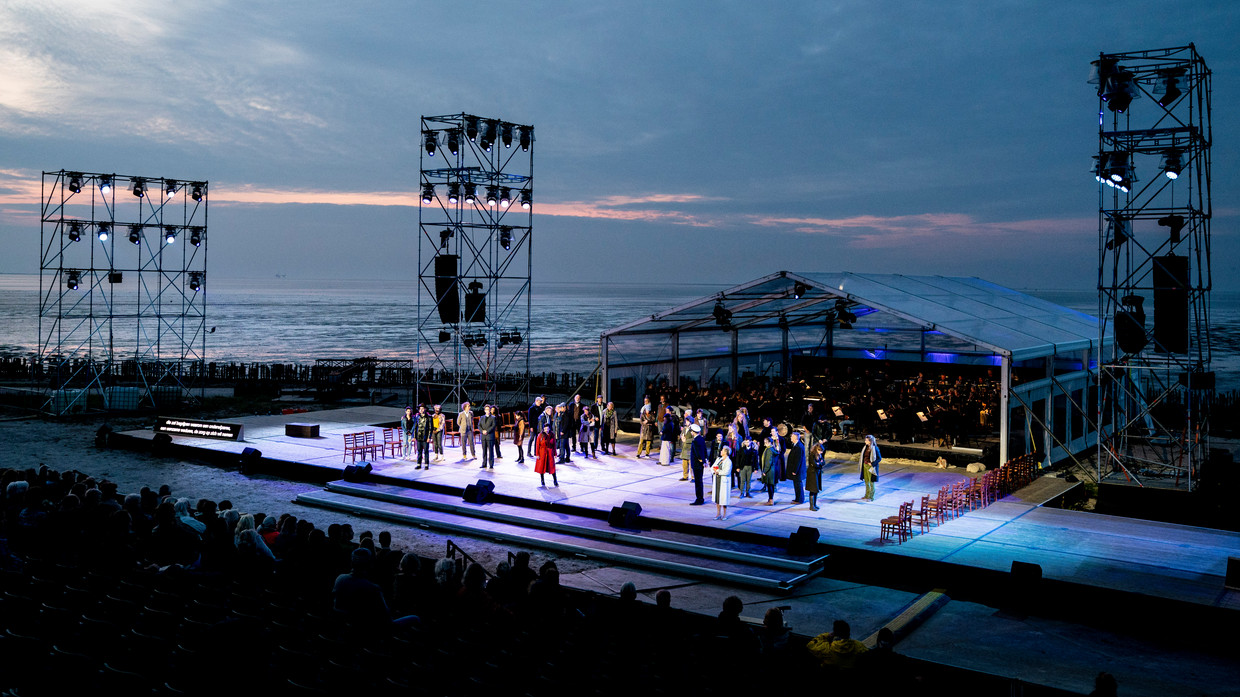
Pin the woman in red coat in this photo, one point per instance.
(544, 450)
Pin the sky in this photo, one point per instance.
(676, 141)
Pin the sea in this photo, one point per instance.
(292, 320)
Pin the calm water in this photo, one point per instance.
(297, 321)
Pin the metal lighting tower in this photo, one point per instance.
(1153, 169)
(474, 259)
(122, 301)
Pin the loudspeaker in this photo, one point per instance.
(447, 298)
(801, 543)
(625, 515)
(1232, 580)
(475, 306)
(357, 473)
(1025, 576)
(1171, 304)
(1130, 325)
(160, 442)
(248, 460)
(101, 436)
(480, 492)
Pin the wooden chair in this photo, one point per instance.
(922, 516)
(370, 445)
(392, 440)
(936, 507)
(353, 444)
(895, 525)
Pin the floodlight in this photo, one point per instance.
(471, 193)
(798, 289)
(505, 237)
(471, 128)
(454, 193)
(488, 134)
(1168, 86)
(105, 184)
(428, 194)
(454, 142)
(505, 197)
(1175, 223)
(195, 191)
(492, 196)
(75, 232)
(135, 234)
(195, 236)
(526, 136)
(170, 234)
(1172, 164)
(71, 280)
(428, 140)
(102, 233)
(527, 199)
(444, 235)
(170, 189)
(75, 182)
(722, 315)
(139, 188)
(1119, 90)
(1117, 232)
(195, 280)
(505, 135)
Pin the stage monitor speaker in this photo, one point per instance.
(160, 442)
(249, 459)
(1171, 304)
(479, 492)
(801, 543)
(1232, 580)
(625, 515)
(357, 473)
(447, 297)
(1025, 576)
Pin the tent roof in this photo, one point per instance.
(990, 316)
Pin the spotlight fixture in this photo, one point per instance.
(526, 137)
(444, 235)
(847, 318)
(195, 236)
(1117, 232)
(72, 278)
(195, 191)
(471, 193)
(488, 134)
(428, 194)
(471, 128)
(1172, 164)
(505, 197)
(454, 192)
(505, 135)
(506, 338)
(170, 189)
(1116, 170)
(139, 187)
(75, 182)
(1169, 87)
(1175, 223)
(505, 237)
(1119, 90)
(170, 234)
(454, 142)
(428, 141)
(527, 199)
(105, 184)
(135, 234)
(195, 280)
(75, 232)
(102, 232)
(722, 315)
(798, 289)
(492, 196)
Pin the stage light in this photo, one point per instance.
(428, 140)
(505, 197)
(195, 236)
(1175, 223)
(75, 232)
(135, 234)
(444, 337)
(471, 193)
(722, 315)
(444, 235)
(102, 233)
(526, 136)
(1118, 171)
(1172, 164)
(139, 188)
(170, 234)
(505, 237)
(195, 191)
(488, 134)
(170, 189)
(492, 196)
(1119, 90)
(75, 182)
(454, 193)
(527, 199)
(798, 289)
(195, 280)
(454, 142)
(471, 128)
(71, 282)
(428, 194)
(507, 338)
(1169, 87)
(505, 135)
(1117, 233)
(105, 184)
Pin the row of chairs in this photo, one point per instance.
(954, 500)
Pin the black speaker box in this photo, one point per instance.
(801, 542)
(160, 442)
(1025, 576)
(1171, 304)
(625, 515)
(447, 297)
(1232, 580)
(479, 492)
(357, 473)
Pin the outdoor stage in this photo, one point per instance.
(1162, 560)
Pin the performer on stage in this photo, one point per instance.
(795, 467)
(597, 409)
(488, 426)
(813, 475)
(585, 432)
(563, 427)
(772, 465)
(697, 460)
(544, 448)
(465, 426)
(406, 432)
(746, 458)
(667, 438)
(686, 444)
(870, 457)
(534, 413)
(422, 430)
(519, 428)
(721, 491)
(440, 424)
(609, 426)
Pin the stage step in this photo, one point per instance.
(568, 536)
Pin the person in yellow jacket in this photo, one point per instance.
(837, 648)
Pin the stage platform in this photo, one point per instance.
(1161, 560)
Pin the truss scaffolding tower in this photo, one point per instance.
(1153, 173)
